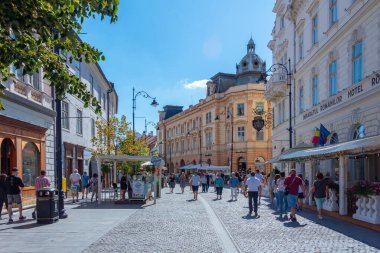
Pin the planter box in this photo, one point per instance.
(368, 209)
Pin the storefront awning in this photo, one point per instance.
(299, 147)
(355, 147)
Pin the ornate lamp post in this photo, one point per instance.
(145, 95)
(229, 114)
(275, 67)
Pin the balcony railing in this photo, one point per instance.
(276, 86)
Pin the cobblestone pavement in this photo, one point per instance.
(269, 233)
(174, 224)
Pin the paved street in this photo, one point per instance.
(179, 224)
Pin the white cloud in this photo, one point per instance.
(200, 84)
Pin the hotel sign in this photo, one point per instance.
(344, 96)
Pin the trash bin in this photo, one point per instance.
(47, 205)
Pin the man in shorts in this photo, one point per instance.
(85, 184)
(195, 179)
(292, 183)
(75, 180)
(14, 188)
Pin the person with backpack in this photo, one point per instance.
(320, 190)
(292, 183)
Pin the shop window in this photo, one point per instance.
(29, 164)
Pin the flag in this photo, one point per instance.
(316, 136)
(323, 135)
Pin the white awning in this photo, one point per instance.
(299, 147)
(355, 147)
(204, 166)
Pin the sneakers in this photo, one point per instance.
(10, 221)
(22, 218)
(320, 217)
(34, 215)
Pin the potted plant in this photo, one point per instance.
(368, 201)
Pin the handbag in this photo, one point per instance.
(286, 192)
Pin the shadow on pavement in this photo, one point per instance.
(250, 217)
(30, 225)
(190, 200)
(110, 205)
(294, 224)
(356, 232)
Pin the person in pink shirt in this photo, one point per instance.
(40, 182)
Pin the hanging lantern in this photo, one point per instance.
(258, 123)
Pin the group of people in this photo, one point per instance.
(85, 183)
(11, 192)
(292, 190)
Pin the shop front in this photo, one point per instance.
(22, 146)
(354, 167)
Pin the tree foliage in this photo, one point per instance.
(32, 32)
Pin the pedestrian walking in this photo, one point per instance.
(219, 183)
(85, 178)
(75, 179)
(292, 182)
(195, 181)
(124, 185)
(3, 193)
(204, 182)
(94, 186)
(320, 190)
(253, 187)
(172, 182)
(239, 188)
(279, 192)
(182, 181)
(208, 179)
(14, 186)
(40, 182)
(260, 177)
(234, 182)
(301, 195)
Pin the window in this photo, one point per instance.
(208, 117)
(333, 12)
(104, 101)
(194, 124)
(77, 68)
(301, 100)
(30, 163)
(188, 144)
(172, 132)
(300, 46)
(332, 78)
(315, 90)
(359, 132)
(92, 85)
(282, 23)
(182, 146)
(260, 135)
(99, 91)
(176, 147)
(188, 126)
(241, 133)
(182, 128)
(79, 122)
(315, 30)
(208, 139)
(357, 65)
(92, 128)
(35, 80)
(194, 142)
(240, 109)
(176, 130)
(65, 115)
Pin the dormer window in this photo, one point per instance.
(245, 64)
(256, 63)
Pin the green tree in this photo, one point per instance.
(33, 31)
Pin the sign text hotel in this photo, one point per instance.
(344, 96)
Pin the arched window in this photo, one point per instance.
(359, 132)
(334, 138)
(30, 164)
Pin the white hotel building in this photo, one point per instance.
(334, 48)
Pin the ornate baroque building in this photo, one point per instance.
(219, 127)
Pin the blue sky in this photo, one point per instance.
(164, 47)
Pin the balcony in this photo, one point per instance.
(276, 87)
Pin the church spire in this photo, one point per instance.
(251, 46)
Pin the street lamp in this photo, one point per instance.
(145, 95)
(229, 114)
(275, 67)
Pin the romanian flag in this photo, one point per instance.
(316, 136)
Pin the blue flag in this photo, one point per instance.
(323, 135)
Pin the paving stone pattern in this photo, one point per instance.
(269, 233)
(174, 224)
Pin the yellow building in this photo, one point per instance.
(219, 128)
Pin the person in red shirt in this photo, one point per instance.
(292, 183)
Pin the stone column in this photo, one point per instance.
(343, 166)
